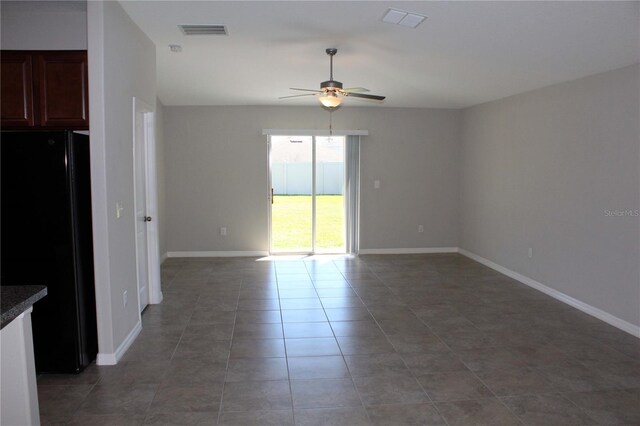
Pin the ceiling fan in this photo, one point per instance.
(331, 92)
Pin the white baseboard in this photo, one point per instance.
(578, 304)
(178, 254)
(113, 358)
(155, 298)
(217, 253)
(422, 250)
(163, 258)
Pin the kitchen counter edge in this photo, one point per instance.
(15, 299)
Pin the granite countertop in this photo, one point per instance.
(15, 299)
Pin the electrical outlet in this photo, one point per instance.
(125, 298)
(530, 253)
(223, 231)
(376, 184)
(420, 228)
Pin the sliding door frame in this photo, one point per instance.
(351, 184)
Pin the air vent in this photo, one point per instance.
(405, 19)
(203, 29)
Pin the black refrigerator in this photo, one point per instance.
(47, 240)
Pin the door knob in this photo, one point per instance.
(147, 218)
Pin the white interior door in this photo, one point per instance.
(140, 168)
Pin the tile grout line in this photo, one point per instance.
(148, 410)
(286, 353)
(353, 383)
(433, 404)
(226, 370)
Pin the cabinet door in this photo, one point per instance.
(16, 105)
(63, 89)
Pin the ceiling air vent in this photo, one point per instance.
(203, 29)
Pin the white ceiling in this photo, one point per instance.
(464, 54)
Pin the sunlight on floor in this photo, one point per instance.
(306, 257)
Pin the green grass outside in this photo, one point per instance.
(291, 219)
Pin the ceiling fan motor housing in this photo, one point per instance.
(330, 84)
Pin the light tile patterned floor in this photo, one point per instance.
(389, 340)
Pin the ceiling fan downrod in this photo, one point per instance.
(331, 51)
(331, 84)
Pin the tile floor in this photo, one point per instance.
(389, 340)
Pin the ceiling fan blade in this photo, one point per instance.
(296, 96)
(356, 90)
(306, 90)
(361, 95)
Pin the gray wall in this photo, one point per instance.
(216, 174)
(541, 170)
(54, 25)
(122, 65)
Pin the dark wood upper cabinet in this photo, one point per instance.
(63, 90)
(16, 90)
(55, 87)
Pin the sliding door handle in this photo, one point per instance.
(271, 195)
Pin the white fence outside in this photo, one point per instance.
(295, 178)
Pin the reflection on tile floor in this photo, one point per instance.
(389, 340)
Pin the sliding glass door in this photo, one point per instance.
(307, 175)
(292, 181)
(329, 196)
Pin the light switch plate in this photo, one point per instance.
(119, 210)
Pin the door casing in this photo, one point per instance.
(144, 144)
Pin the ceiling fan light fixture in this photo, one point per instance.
(330, 100)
